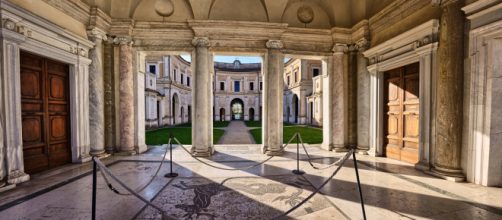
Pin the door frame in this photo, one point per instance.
(416, 45)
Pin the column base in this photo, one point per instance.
(141, 148)
(126, 153)
(274, 153)
(100, 154)
(362, 151)
(340, 149)
(17, 177)
(6, 187)
(328, 147)
(207, 153)
(455, 176)
(84, 159)
(423, 165)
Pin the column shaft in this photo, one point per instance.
(338, 92)
(126, 99)
(109, 100)
(363, 98)
(202, 130)
(96, 98)
(273, 99)
(449, 92)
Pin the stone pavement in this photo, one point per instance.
(236, 133)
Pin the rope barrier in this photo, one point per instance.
(103, 168)
(110, 186)
(230, 169)
(316, 189)
(309, 159)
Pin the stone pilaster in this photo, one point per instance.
(273, 86)
(96, 94)
(126, 96)
(448, 145)
(338, 93)
(363, 98)
(109, 97)
(202, 130)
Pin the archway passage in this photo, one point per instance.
(222, 114)
(175, 103)
(295, 108)
(237, 108)
(251, 114)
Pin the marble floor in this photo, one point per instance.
(392, 190)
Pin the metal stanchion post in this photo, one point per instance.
(298, 171)
(171, 174)
(358, 183)
(94, 182)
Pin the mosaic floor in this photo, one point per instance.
(392, 190)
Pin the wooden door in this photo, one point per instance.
(45, 113)
(402, 113)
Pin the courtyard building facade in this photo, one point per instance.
(409, 82)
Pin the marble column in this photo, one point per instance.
(202, 130)
(273, 86)
(337, 91)
(109, 88)
(449, 98)
(12, 168)
(96, 94)
(126, 96)
(352, 95)
(363, 98)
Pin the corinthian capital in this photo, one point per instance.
(340, 48)
(200, 42)
(362, 44)
(123, 40)
(274, 44)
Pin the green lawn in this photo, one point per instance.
(183, 134)
(216, 124)
(309, 135)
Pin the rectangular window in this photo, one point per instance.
(174, 74)
(152, 69)
(222, 86)
(261, 85)
(188, 81)
(287, 81)
(296, 76)
(315, 72)
(237, 86)
(251, 86)
(182, 76)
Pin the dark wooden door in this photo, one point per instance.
(45, 113)
(402, 113)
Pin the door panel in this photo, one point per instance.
(402, 113)
(45, 113)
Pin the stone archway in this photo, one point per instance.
(295, 106)
(174, 105)
(222, 114)
(237, 109)
(251, 114)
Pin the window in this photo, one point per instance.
(182, 76)
(315, 72)
(287, 81)
(152, 69)
(296, 76)
(151, 82)
(261, 85)
(251, 86)
(237, 86)
(174, 73)
(188, 83)
(222, 86)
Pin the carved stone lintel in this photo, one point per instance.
(274, 44)
(200, 42)
(340, 48)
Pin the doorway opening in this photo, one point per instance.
(237, 107)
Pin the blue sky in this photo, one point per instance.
(230, 59)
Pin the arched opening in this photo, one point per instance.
(288, 111)
(189, 113)
(174, 106)
(251, 114)
(237, 108)
(159, 116)
(182, 115)
(222, 114)
(295, 108)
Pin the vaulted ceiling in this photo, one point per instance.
(327, 13)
